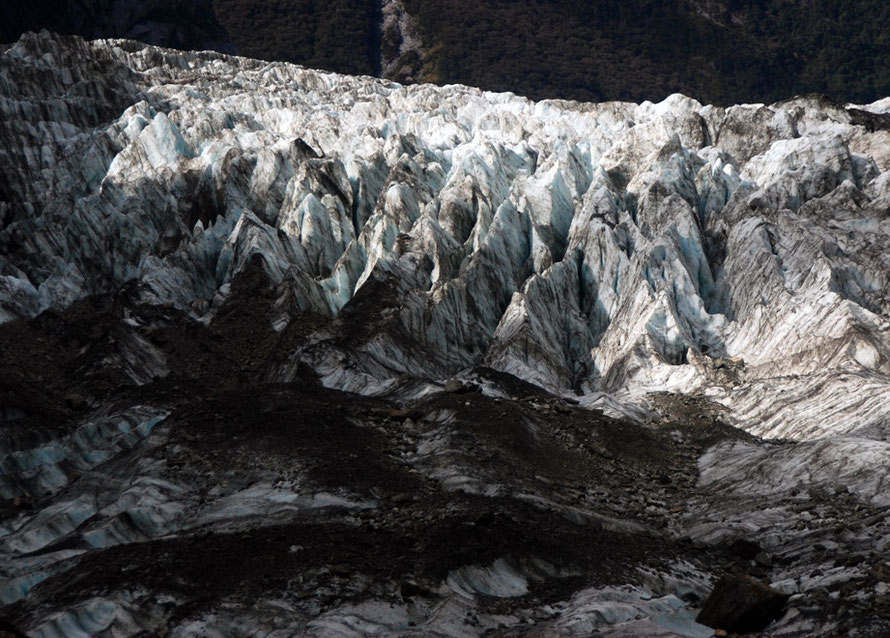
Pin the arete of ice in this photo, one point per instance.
(740, 253)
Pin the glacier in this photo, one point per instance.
(634, 262)
(738, 253)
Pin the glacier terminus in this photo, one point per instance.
(324, 328)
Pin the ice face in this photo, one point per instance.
(614, 247)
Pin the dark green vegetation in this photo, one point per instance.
(339, 35)
(179, 24)
(722, 51)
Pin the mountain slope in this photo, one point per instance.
(181, 24)
(337, 35)
(719, 51)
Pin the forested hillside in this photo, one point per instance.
(339, 35)
(716, 50)
(721, 51)
(178, 24)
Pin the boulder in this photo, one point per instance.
(745, 549)
(740, 604)
(453, 386)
